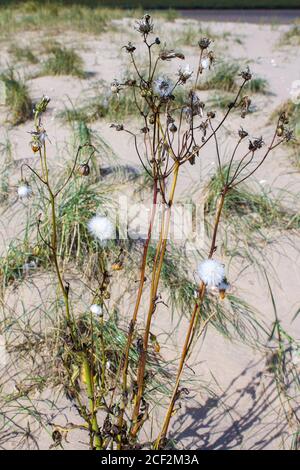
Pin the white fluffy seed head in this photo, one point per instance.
(96, 310)
(101, 228)
(24, 191)
(185, 72)
(211, 272)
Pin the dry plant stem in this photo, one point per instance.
(43, 157)
(125, 358)
(155, 279)
(94, 429)
(191, 330)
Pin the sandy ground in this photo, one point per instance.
(243, 412)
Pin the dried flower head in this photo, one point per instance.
(197, 106)
(256, 144)
(185, 73)
(118, 127)
(38, 139)
(288, 135)
(170, 54)
(246, 74)
(130, 48)
(163, 87)
(144, 25)
(242, 133)
(101, 228)
(115, 86)
(211, 272)
(204, 43)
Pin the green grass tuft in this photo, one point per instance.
(23, 54)
(291, 37)
(63, 61)
(225, 77)
(17, 97)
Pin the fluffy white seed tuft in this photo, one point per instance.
(185, 72)
(96, 310)
(24, 191)
(211, 272)
(101, 228)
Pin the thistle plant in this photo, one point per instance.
(78, 351)
(172, 132)
(173, 135)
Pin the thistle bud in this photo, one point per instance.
(42, 105)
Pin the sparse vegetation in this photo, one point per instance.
(63, 61)
(23, 54)
(291, 37)
(224, 77)
(17, 97)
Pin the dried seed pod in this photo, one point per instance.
(280, 131)
(35, 146)
(83, 169)
(173, 128)
(192, 160)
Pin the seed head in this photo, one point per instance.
(242, 133)
(101, 228)
(246, 74)
(24, 190)
(211, 272)
(204, 43)
(185, 73)
(163, 87)
(256, 144)
(144, 25)
(173, 128)
(84, 169)
(130, 48)
(97, 310)
(115, 86)
(170, 54)
(118, 127)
